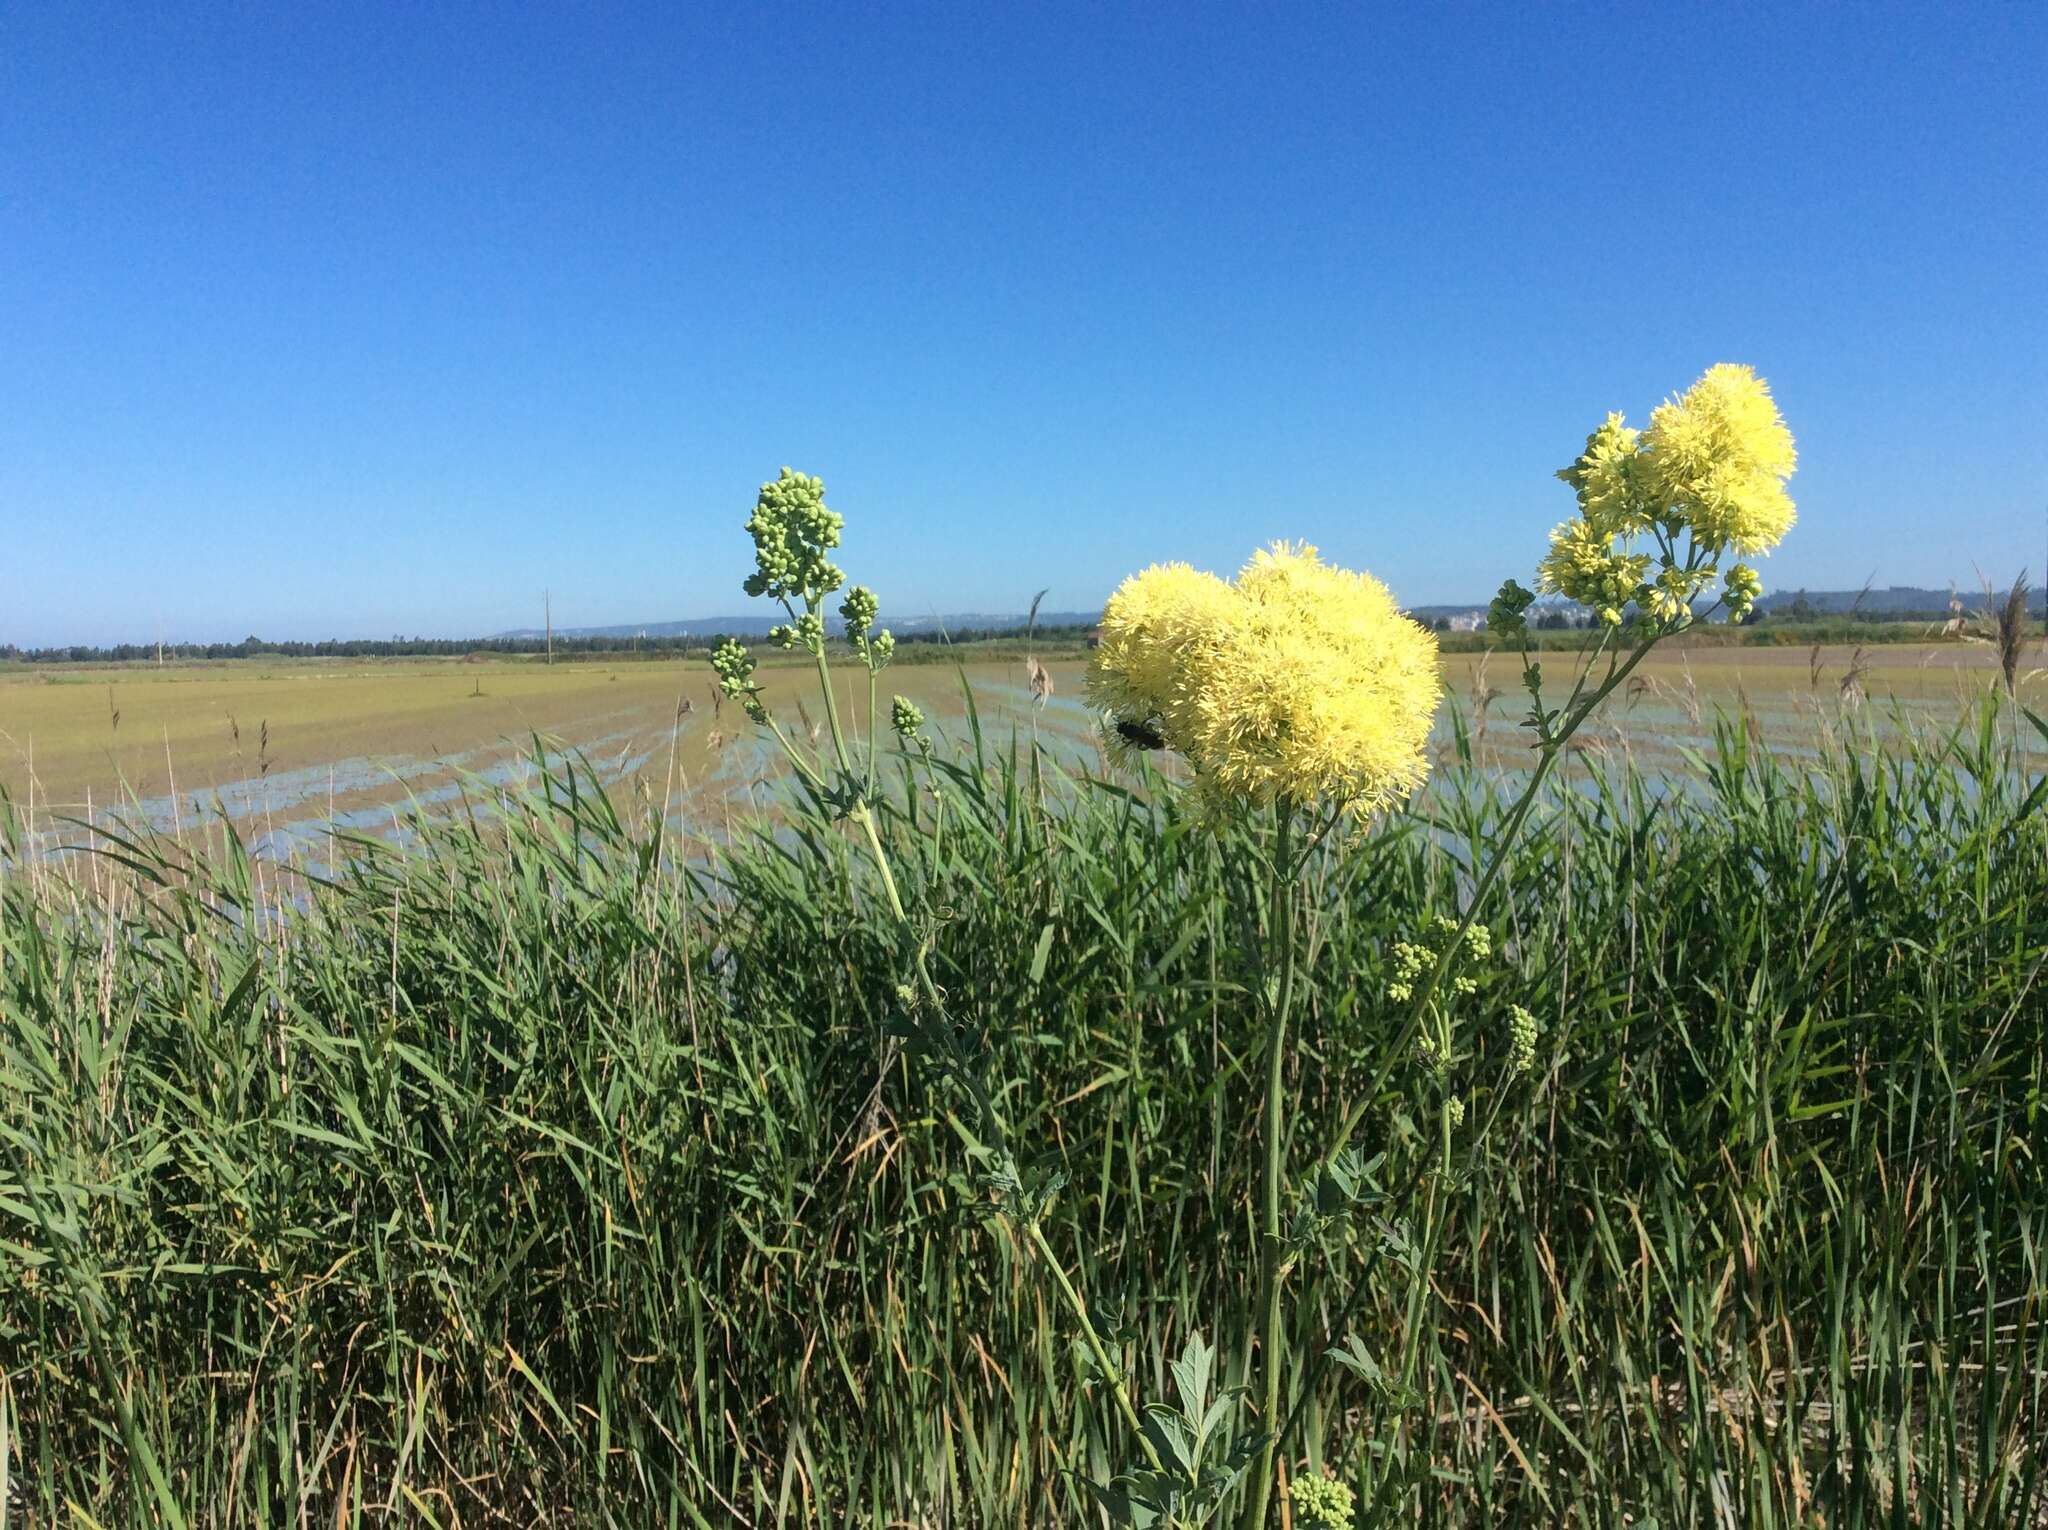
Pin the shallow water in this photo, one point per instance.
(702, 767)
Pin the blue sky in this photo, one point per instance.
(365, 319)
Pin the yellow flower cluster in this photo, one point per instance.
(1711, 466)
(1720, 457)
(1297, 681)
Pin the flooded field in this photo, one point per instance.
(287, 750)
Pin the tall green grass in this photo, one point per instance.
(558, 1170)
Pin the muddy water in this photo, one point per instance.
(289, 755)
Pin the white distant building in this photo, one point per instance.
(1471, 621)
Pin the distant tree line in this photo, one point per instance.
(345, 648)
(1798, 610)
(455, 648)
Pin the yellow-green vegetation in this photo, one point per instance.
(997, 1135)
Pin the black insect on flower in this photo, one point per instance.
(1140, 735)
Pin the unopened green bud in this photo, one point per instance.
(858, 612)
(1521, 1040)
(905, 718)
(734, 666)
(1409, 958)
(1321, 1503)
(1504, 615)
(792, 531)
(1743, 589)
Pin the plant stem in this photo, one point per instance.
(1280, 938)
(832, 716)
(1110, 1372)
(1550, 750)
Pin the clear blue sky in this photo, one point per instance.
(370, 319)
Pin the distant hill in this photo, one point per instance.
(757, 626)
(1891, 602)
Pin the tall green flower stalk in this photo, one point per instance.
(1272, 1169)
(1301, 697)
(794, 535)
(1705, 480)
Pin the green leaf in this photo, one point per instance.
(1039, 955)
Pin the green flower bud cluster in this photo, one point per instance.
(1412, 958)
(1321, 1503)
(734, 666)
(807, 633)
(792, 532)
(906, 719)
(1506, 615)
(858, 611)
(1409, 960)
(1454, 1107)
(1434, 1055)
(1522, 1031)
(1743, 587)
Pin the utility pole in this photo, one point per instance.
(547, 606)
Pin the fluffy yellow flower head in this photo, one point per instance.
(1298, 681)
(1609, 479)
(1711, 468)
(1721, 455)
